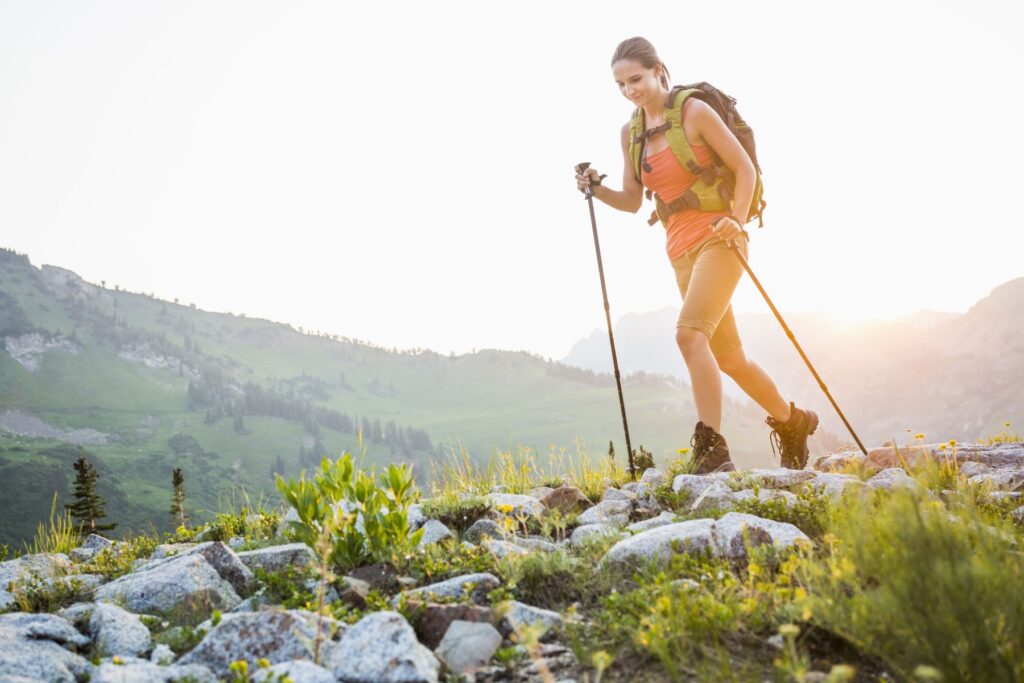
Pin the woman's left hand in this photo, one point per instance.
(728, 229)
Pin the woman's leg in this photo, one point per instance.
(709, 285)
(704, 375)
(757, 384)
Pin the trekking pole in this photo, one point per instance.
(589, 195)
(789, 334)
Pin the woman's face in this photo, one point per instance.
(637, 83)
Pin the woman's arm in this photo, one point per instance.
(631, 197)
(711, 127)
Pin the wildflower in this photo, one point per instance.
(927, 673)
(789, 630)
(952, 442)
(919, 436)
(263, 663)
(117, 660)
(1006, 424)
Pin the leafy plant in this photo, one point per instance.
(889, 555)
(369, 519)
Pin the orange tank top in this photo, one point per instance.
(689, 227)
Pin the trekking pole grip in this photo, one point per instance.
(581, 169)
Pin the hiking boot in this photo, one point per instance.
(791, 436)
(710, 451)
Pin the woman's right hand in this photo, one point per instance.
(588, 178)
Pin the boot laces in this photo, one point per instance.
(784, 441)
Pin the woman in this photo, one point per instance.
(699, 245)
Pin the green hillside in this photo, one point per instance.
(232, 399)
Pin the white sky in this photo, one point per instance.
(402, 172)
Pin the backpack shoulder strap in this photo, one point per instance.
(637, 141)
(675, 135)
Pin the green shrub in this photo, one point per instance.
(904, 578)
(810, 512)
(447, 559)
(382, 508)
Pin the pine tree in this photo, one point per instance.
(88, 505)
(178, 497)
(611, 450)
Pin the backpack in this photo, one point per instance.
(713, 188)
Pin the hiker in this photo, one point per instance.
(699, 245)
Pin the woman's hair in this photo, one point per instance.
(640, 50)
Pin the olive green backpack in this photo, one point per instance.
(713, 188)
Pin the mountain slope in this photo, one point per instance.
(146, 385)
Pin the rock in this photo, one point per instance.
(540, 492)
(40, 566)
(716, 496)
(468, 646)
(1006, 480)
(223, 559)
(381, 576)
(434, 531)
(582, 534)
(765, 495)
(839, 461)
(888, 479)
(299, 670)
(165, 550)
(382, 648)
(615, 512)
(141, 671)
(92, 545)
(1002, 496)
(162, 655)
(970, 468)
(646, 507)
(653, 477)
(617, 494)
(473, 586)
(431, 620)
(778, 478)
(521, 505)
(278, 557)
(833, 485)
(503, 549)
(499, 488)
(723, 537)
(520, 614)
(117, 632)
(29, 648)
(482, 528)
(729, 530)
(661, 520)
(1018, 515)
(23, 625)
(78, 614)
(694, 484)
(566, 499)
(696, 535)
(415, 517)
(353, 592)
(83, 586)
(535, 543)
(639, 488)
(277, 635)
(312, 585)
(180, 583)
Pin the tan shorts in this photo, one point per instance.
(707, 275)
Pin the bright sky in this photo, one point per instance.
(402, 172)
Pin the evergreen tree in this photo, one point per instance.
(611, 450)
(178, 497)
(88, 505)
